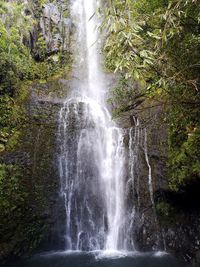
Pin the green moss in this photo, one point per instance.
(184, 144)
(166, 213)
(22, 200)
(17, 67)
(2, 148)
(13, 140)
(22, 228)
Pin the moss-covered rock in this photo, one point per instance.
(31, 209)
(28, 124)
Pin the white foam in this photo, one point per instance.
(115, 254)
(160, 253)
(60, 253)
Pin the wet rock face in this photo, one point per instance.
(39, 142)
(172, 222)
(51, 26)
(39, 147)
(55, 26)
(148, 170)
(51, 12)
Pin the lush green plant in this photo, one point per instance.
(17, 65)
(21, 227)
(156, 43)
(166, 213)
(41, 49)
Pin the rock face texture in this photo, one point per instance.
(163, 219)
(147, 167)
(44, 27)
(55, 26)
(39, 144)
(51, 27)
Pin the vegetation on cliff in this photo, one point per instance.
(24, 57)
(154, 45)
(18, 64)
(22, 229)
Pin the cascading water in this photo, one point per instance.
(92, 154)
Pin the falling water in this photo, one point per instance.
(132, 183)
(92, 153)
(137, 141)
(149, 169)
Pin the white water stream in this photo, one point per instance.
(92, 156)
(99, 177)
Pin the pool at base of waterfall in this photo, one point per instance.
(99, 259)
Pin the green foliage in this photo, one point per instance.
(157, 44)
(9, 184)
(184, 155)
(17, 66)
(166, 213)
(41, 49)
(11, 120)
(125, 97)
(21, 227)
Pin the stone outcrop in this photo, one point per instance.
(161, 224)
(55, 26)
(39, 144)
(172, 221)
(50, 27)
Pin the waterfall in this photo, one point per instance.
(149, 169)
(92, 154)
(137, 141)
(132, 183)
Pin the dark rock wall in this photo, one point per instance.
(39, 144)
(50, 27)
(172, 222)
(157, 225)
(55, 25)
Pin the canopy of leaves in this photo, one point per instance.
(157, 44)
